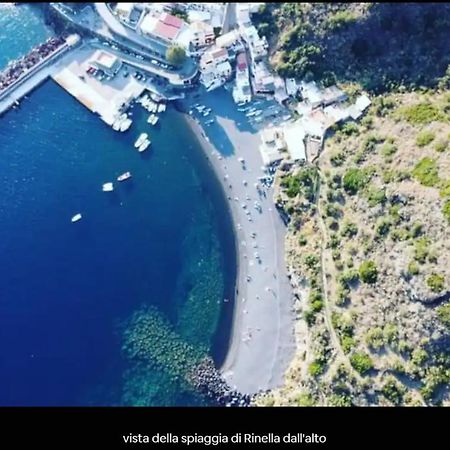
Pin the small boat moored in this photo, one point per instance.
(76, 218)
(124, 176)
(108, 187)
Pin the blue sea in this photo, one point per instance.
(163, 239)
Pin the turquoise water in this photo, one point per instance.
(162, 238)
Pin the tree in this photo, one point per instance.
(361, 362)
(175, 55)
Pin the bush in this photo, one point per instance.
(425, 171)
(312, 261)
(383, 227)
(376, 196)
(361, 362)
(349, 277)
(349, 229)
(436, 282)
(337, 159)
(350, 128)
(421, 249)
(354, 180)
(413, 268)
(421, 113)
(302, 240)
(443, 313)
(441, 145)
(316, 368)
(446, 210)
(424, 138)
(348, 343)
(375, 338)
(368, 272)
(393, 391)
(388, 149)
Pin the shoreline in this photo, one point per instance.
(261, 339)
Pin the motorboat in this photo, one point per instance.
(144, 146)
(108, 187)
(142, 137)
(76, 218)
(124, 176)
(125, 125)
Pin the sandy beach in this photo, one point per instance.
(262, 339)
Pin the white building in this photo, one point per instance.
(243, 14)
(272, 145)
(227, 40)
(202, 34)
(280, 90)
(242, 92)
(214, 67)
(294, 137)
(107, 62)
(124, 10)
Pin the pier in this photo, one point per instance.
(25, 74)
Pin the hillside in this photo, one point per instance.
(368, 245)
(381, 46)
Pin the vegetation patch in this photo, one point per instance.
(426, 172)
(421, 113)
(368, 272)
(424, 138)
(361, 362)
(436, 282)
(354, 180)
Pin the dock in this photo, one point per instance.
(34, 75)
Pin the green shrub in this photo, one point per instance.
(441, 145)
(393, 391)
(446, 210)
(349, 277)
(375, 338)
(375, 196)
(361, 362)
(354, 180)
(413, 268)
(388, 149)
(350, 128)
(337, 159)
(421, 113)
(436, 282)
(316, 368)
(304, 399)
(302, 240)
(368, 272)
(425, 171)
(348, 344)
(424, 138)
(421, 249)
(312, 261)
(349, 229)
(419, 356)
(383, 227)
(443, 313)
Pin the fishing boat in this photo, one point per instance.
(161, 107)
(76, 218)
(142, 137)
(150, 118)
(144, 145)
(124, 176)
(108, 187)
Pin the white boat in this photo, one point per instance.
(76, 218)
(150, 118)
(142, 137)
(124, 176)
(108, 187)
(125, 125)
(161, 107)
(144, 146)
(116, 125)
(155, 120)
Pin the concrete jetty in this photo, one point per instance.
(35, 75)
